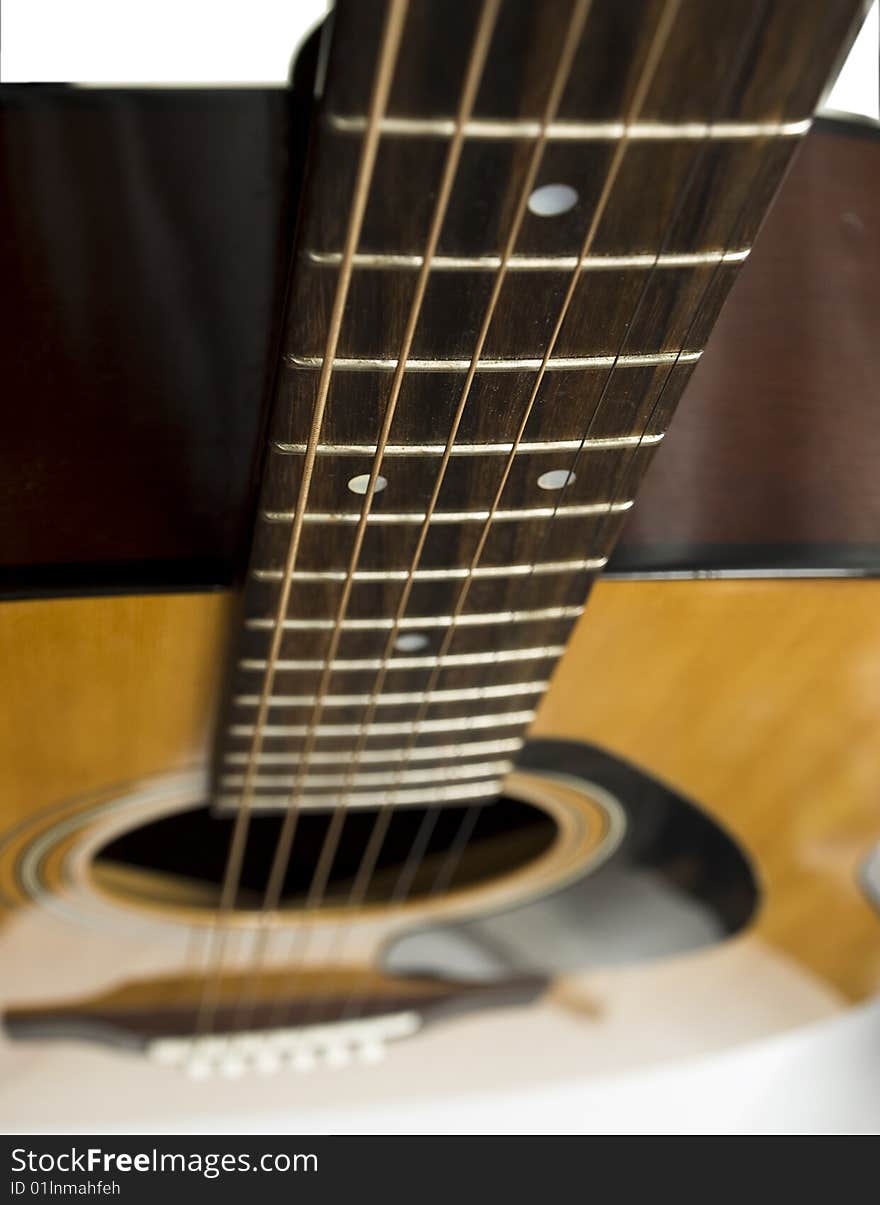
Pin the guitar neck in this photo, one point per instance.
(519, 226)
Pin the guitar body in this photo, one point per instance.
(683, 856)
(755, 699)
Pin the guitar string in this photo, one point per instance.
(362, 880)
(389, 45)
(450, 862)
(281, 860)
(579, 12)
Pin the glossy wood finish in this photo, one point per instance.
(113, 244)
(777, 433)
(101, 690)
(528, 39)
(69, 521)
(758, 699)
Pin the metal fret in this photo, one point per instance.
(401, 698)
(554, 364)
(453, 516)
(425, 774)
(575, 131)
(504, 719)
(382, 623)
(541, 653)
(597, 443)
(418, 753)
(358, 799)
(532, 263)
(433, 575)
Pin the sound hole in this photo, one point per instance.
(179, 860)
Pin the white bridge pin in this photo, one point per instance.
(364, 1040)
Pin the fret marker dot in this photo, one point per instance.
(410, 642)
(550, 200)
(361, 483)
(555, 479)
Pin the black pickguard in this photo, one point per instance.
(676, 882)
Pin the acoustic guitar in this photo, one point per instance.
(327, 409)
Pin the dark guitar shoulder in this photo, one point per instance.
(143, 233)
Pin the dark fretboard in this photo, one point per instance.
(470, 389)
